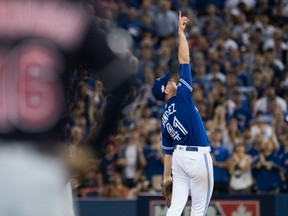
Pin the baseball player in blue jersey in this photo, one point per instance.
(184, 139)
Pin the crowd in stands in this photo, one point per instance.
(239, 56)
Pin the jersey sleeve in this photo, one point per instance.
(167, 144)
(185, 76)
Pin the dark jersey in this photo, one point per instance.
(154, 164)
(40, 42)
(108, 167)
(181, 121)
(267, 180)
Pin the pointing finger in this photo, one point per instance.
(180, 15)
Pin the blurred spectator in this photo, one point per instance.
(166, 21)
(85, 95)
(220, 156)
(212, 17)
(257, 146)
(98, 96)
(90, 181)
(75, 141)
(165, 53)
(146, 62)
(248, 140)
(154, 157)
(133, 24)
(241, 178)
(266, 170)
(131, 159)
(263, 21)
(107, 165)
(142, 186)
(263, 126)
(146, 25)
(116, 188)
(273, 65)
(147, 122)
(147, 7)
(281, 126)
(231, 136)
(215, 73)
(209, 32)
(256, 79)
(242, 111)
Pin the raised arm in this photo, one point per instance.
(183, 49)
(183, 57)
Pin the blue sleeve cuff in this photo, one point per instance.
(169, 152)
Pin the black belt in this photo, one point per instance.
(189, 148)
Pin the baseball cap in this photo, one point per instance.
(159, 85)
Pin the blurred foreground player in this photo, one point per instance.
(40, 42)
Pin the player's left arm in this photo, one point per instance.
(167, 168)
(167, 144)
(183, 54)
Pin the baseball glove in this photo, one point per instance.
(167, 191)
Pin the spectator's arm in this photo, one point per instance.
(142, 160)
(282, 174)
(224, 164)
(142, 163)
(260, 162)
(272, 165)
(121, 161)
(247, 165)
(138, 175)
(231, 166)
(219, 117)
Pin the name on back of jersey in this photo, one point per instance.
(170, 110)
(176, 127)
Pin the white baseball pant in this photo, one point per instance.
(192, 172)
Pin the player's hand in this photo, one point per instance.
(182, 22)
(168, 179)
(166, 190)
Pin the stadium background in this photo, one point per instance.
(238, 52)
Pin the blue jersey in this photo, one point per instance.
(267, 180)
(154, 164)
(181, 122)
(221, 154)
